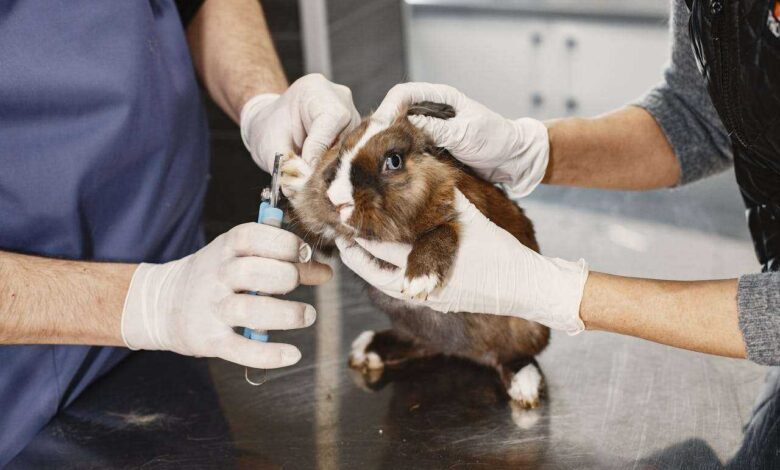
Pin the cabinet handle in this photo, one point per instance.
(537, 100)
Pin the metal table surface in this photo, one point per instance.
(612, 402)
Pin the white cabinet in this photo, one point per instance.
(544, 66)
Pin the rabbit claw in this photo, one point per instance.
(420, 287)
(295, 173)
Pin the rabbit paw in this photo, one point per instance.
(419, 287)
(360, 357)
(526, 386)
(294, 173)
(368, 380)
(429, 261)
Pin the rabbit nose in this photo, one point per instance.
(345, 211)
(340, 194)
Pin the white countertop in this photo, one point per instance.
(654, 9)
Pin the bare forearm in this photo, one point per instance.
(234, 54)
(50, 301)
(625, 149)
(700, 315)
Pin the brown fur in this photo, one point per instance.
(415, 205)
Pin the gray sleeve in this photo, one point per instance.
(758, 300)
(682, 107)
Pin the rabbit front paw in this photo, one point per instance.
(429, 262)
(294, 173)
(420, 287)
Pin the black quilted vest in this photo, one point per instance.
(737, 46)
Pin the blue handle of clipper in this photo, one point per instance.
(267, 215)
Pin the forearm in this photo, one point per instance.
(700, 315)
(233, 53)
(51, 301)
(625, 149)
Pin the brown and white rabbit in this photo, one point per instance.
(387, 181)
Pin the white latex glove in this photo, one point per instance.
(307, 119)
(191, 305)
(493, 273)
(512, 153)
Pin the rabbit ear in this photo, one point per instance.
(431, 109)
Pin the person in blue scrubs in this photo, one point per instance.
(103, 170)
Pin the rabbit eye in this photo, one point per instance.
(393, 161)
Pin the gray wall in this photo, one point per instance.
(366, 47)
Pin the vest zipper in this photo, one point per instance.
(730, 118)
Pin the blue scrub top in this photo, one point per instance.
(103, 156)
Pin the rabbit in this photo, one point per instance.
(388, 182)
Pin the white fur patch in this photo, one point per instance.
(525, 386)
(373, 361)
(420, 287)
(329, 233)
(358, 357)
(340, 190)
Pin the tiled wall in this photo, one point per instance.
(236, 182)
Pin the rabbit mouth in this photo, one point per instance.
(343, 215)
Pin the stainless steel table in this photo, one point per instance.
(612, 402)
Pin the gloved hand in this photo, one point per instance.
(307, 118)
(493, 273)
(512, 153)
(190, 305)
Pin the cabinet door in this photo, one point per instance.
(599, 66)
(491, 58)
